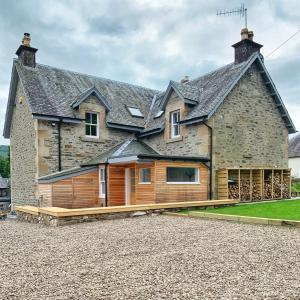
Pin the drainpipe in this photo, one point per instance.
(59, 144)
(106, 191)
(211, 166)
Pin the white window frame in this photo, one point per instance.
(174, 125)
(90, 124)
(102, 181)
(140, 177)
(197, 179)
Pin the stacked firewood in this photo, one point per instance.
(277, 186)
(233, 190)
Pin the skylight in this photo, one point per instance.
(159, 114)
(135, 112)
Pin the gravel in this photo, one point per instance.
(158, 257)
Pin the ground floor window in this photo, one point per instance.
(182, 175)
(102, 183)
(145, 175)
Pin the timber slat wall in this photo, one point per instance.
(116, 185)
(144, 193)
(166, 193)
(77, 192)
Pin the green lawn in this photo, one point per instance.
(284, 209)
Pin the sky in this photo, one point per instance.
(149, 42)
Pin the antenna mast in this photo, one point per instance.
(242, 12)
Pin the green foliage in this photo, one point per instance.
(5, 165)
(283, 209)
(295, 186)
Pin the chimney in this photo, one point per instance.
(245, 47)
(26, 54)
(185, 79)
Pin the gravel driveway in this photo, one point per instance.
(160, 257)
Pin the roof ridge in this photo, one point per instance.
(98, 77)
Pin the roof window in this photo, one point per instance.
(135, 112)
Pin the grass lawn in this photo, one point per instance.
(284, 209)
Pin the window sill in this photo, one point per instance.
(145, 182)
(180, 183)
(90, 139)
(175, 139)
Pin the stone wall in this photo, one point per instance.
(75, 147)
(248, 128)
(23, 147)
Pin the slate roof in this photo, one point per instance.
(52, 91)
(294, 146)
(131, 147)
(57, 92)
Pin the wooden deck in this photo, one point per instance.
(65, 212)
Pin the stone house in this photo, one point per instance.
(294, 155)
(82, 141)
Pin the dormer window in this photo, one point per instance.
(175, 127)
(135, 112)
(91, 125)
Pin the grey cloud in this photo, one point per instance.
(138, 43)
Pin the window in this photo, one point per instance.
(102, 183)
(91, 124)
(135, 112)
(175, 127)
(145, 175)
(182, 175)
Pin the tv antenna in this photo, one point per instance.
(242, 12)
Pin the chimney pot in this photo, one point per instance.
(244, 33)
(26, 39)
(250, 35)
(185, 79)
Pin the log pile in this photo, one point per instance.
(233, 190)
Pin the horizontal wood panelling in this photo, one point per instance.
(145, 193)
(180, 192)
(45, 194)
(77, 192)
(116, 185)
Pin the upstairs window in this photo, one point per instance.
(135, 112)
(175, 127)
(91, 125)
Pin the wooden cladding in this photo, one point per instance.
(83, 190)
(76, 192)
(166, 192)
(254, 184)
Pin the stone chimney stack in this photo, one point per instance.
(245, 47)
(26, 54)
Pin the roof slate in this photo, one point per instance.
(130, 147)
(294, 146)
(51, 91)
(56, 92)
